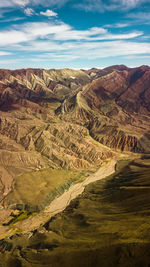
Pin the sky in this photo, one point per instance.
(74, 34)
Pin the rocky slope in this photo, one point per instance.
(37, 84)
(33, 138)
(68, 119)
(115, 108)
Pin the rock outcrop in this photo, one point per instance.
(114, 107)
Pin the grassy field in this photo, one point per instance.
(107, 226)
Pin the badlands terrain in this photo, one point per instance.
(61, 130)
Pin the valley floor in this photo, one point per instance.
(106, 225)
(58, 204)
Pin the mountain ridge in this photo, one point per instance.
(68, 120)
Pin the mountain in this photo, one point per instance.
(33, 138)
(115, 108)
(62, 124)
(96, 73)
(57, 127)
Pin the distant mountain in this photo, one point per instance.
(37, 84)
(96, 73)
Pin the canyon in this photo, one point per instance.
(57, 128)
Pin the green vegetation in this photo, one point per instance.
(18, 217)
(108, 226)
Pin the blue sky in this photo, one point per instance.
(74, 34)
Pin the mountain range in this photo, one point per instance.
(69, 119)
(58, 127)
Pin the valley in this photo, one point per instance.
(74, 166)
(113, 229)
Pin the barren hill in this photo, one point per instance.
(115, 108)
(68, 120)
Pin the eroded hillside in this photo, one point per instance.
(34, 140)
(115, 109)
(66, 120)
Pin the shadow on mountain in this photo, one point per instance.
(143, 144)
(108, 225)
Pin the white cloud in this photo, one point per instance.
(87, 50)
(42, 30)
(6, 3)
(34, 33)
(61, 42)
(30, 32)
(29, 11)
(71, 34)
(46, 3)
(44, 46)
(120, 36)
(90, 35)
(139, 18)
(3, 53)
(138, 56)
(117, 25)
(139, 15)
(49, 3)
(13, 3)
(49, 13)
(58, 32)
(110, 5)
(89, 5)
(11, 19)
(93, 50)
(21, 2)
(55, 57)
(113, 49)
(12, 37)
(8, 61)
(129, 4)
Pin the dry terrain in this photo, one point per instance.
(58, 128)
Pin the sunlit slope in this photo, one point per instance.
(115, 109)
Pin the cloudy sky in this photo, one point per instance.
(73, 33)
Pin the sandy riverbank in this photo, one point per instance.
(60, 203)
(63, 201)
